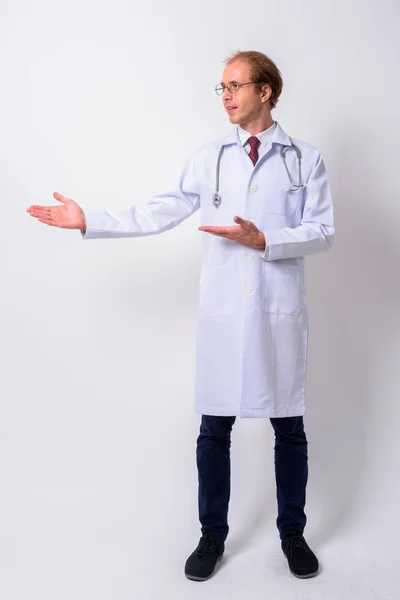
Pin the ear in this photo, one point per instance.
(266, 92)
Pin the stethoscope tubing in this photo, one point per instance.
(217, 198)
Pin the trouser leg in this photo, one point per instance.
(291, 472)
(214, 473)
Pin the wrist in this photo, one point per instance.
(262, 241)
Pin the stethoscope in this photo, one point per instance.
(284, 148)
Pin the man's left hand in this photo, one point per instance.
(245, 232)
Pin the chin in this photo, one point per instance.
(234, 119)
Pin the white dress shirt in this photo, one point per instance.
(264, 137)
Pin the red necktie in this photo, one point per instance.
(254, 143)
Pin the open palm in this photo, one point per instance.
(69, 215)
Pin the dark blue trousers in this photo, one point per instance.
(214, 472)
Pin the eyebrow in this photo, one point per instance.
(233, 81)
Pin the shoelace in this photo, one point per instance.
(207, 544)
(294, 540)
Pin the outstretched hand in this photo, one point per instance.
(69, 215)
(244, 233)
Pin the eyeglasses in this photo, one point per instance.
(232, 86)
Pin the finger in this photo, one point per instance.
(40, 211)
(35, 207)
(215, 229)
(208, 228)
(60, 198)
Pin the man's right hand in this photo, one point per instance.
(69, 215)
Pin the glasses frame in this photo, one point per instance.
(239, 85)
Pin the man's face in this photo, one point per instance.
(245, 105)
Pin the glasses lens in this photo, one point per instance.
(232, 87)
(219, 89)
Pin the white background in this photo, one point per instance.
(103, 102)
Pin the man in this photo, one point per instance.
(252, 333)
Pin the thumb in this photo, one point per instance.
(239, 220)
(60, 198)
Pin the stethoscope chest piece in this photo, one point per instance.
(217, 200)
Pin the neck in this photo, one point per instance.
(258, 125)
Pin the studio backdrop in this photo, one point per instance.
(103, 103)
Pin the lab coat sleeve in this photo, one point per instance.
(316, 230)
(164, 211)
(264, 253)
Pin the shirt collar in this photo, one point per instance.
(278, 136)
(264, 136)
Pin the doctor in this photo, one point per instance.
(260, 216)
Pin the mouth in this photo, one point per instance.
(230, 109)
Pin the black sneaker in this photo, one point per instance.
(302, 560)
(201, 563)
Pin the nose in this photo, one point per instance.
(226, 95)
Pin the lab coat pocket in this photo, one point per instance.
(282, 287)
(218, 290)
(284, 202)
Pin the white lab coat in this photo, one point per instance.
(252, 329)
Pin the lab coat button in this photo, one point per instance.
(253, 188)
(250, 290)
(251, 255)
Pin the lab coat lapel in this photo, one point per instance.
(232, 139)
(279, 137)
